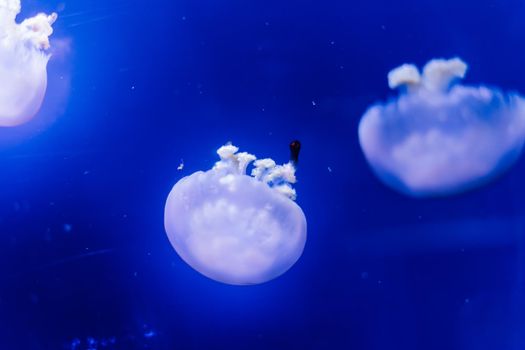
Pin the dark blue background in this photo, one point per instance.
(83, 251)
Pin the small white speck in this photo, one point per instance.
(181, 165)
(314, 104)
(329, 169)
(132, 87)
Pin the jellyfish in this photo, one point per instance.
(236, 228)
(23, 62)
(440, 137)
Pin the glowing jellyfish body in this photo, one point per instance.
(23, 62)
(235, 228)
(438, 137)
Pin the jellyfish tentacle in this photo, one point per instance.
(36, 30)
(233, 162)
(265, 170)
(262, 169)
(295, 149)
(243, 160)
(407, 76)
(438, 74)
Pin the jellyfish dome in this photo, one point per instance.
(440, 137)
(23, 62)
(236, 228)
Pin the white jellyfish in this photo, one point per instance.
(235, 228)
(23, 61)
(439, 137)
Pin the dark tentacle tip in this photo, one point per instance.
(295, 148)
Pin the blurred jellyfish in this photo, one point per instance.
(23, 61)
(235, 228)
(438, 137)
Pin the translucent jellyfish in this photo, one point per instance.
(23, 61)
(439, 137)
(235, 228)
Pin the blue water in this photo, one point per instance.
(85, 260)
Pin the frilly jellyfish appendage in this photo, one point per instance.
(23, 62)
(235, 228)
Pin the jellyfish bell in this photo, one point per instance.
(23, 62)
(236, 228)
(440, 137)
